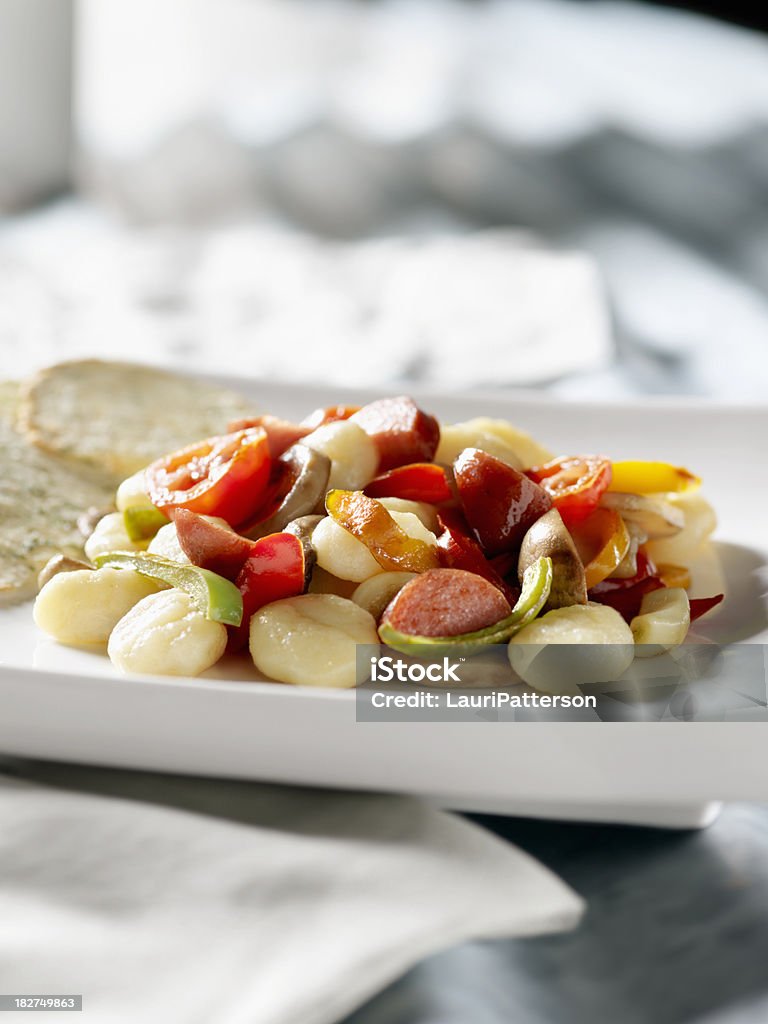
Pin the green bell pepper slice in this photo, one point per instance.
(217, 598)
(143, 523)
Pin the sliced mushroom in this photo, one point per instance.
(656, 517)
(308, 472)
(549, 538)
(303, 528)
(57, 564)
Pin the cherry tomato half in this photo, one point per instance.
(221, 476)
(575, 484)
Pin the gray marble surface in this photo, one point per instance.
(676, 932)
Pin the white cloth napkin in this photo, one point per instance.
(242, 903)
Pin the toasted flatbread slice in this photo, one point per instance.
(9, 399)
(115, 418)
(41, 498)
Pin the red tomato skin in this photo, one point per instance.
(499, 502)
(580, 499)
(222, 476)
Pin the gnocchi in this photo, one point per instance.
(663, 622)
(341, 554)
(411, 524)
(166, 543)
(354, 457)
(83, 606)
(570, 646)
(132, 493)
(323, 582)
(699, 521)
(496, 437)
(311, 640)
(315, 558)
(374, 594)
(426, 513)
(165, 634)
(110, 534)
(347, 558)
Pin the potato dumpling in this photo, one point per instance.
(374, 594)
(426, 513)
(166, 543)
(354, 457)
(110, 534)
(83, 606)
(497, 437)
(323, 582)
(132, 493)
(699, 521)
(569, 646)
(412, 525)
(341, 554)
(346, 557)
(663, 622)
(167, 635)
(311, 640)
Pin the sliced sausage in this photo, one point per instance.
(210, 545)
(401, 431)
(446, 602)
(500, 502)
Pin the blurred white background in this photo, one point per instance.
(261, 175)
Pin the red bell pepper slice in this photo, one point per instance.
(626, 595)
(221, 476)
(457, 549)
(419, 481)
(275, 569)
(627, 601)
(575, 484)
(701, 605)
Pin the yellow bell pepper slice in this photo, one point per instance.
(636, 477)
(674, 575)
(602, 541)
(370, 522)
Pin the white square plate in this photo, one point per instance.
(68, 704)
